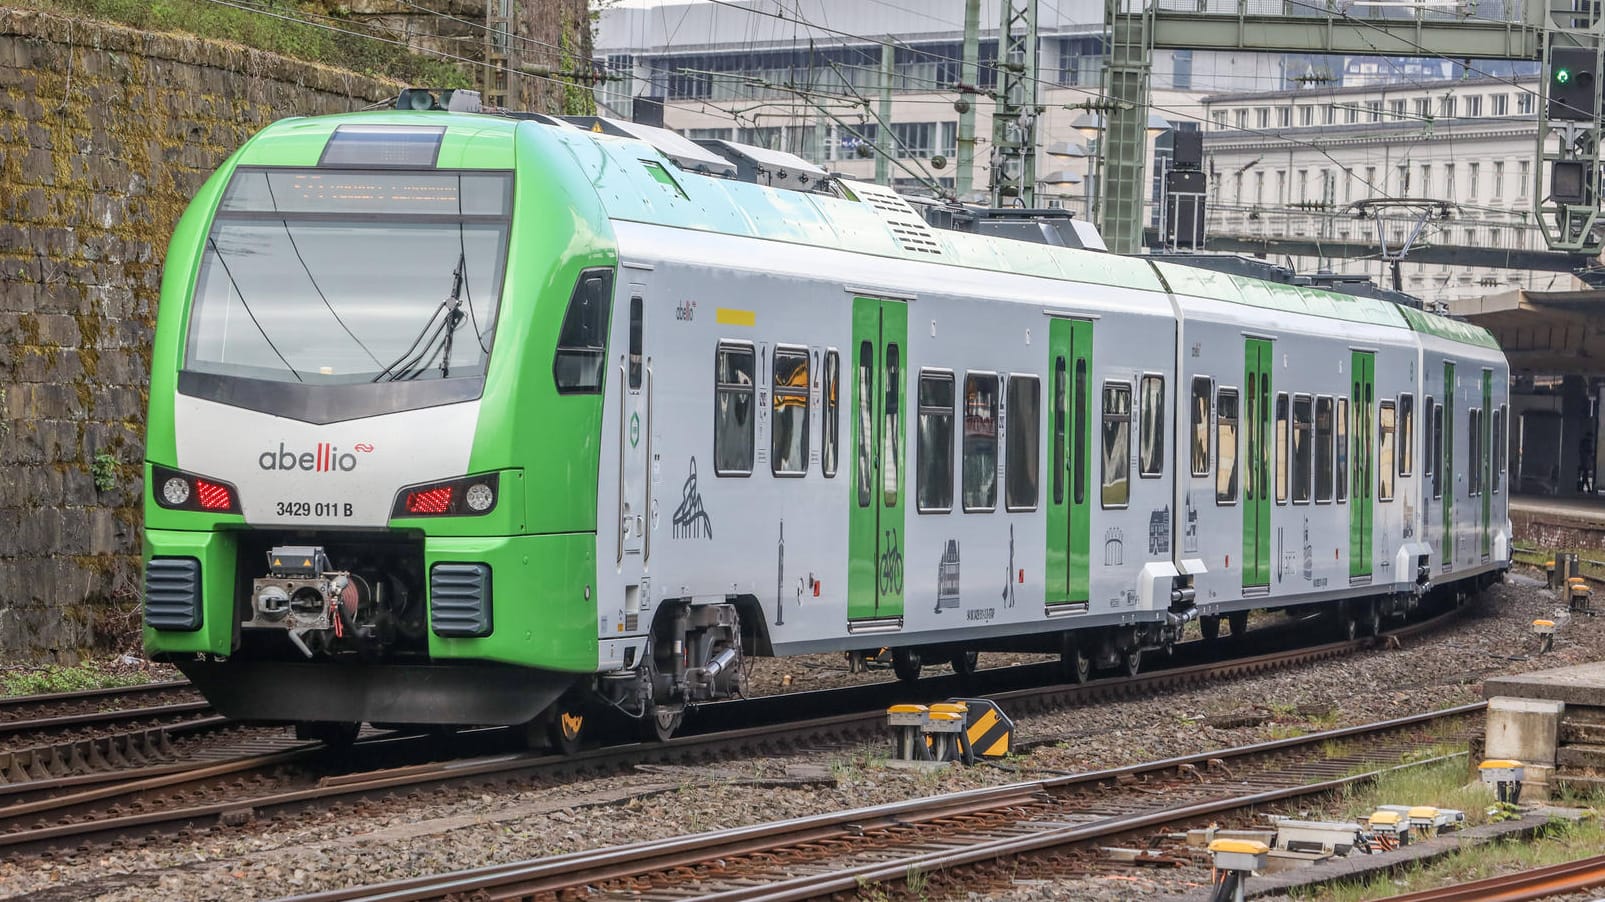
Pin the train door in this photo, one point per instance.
(1482, 461)
(1362, 497)
(1447, 465)
(1256, 468)
(634, 427)
(1069, 505)
(875, 526)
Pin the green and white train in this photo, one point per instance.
(461, 418)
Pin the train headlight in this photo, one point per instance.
(479, 497)
(189, 492)
(175, 491)
(469, 496)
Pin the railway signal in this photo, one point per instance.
(1573, 94)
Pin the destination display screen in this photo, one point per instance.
(335, 191)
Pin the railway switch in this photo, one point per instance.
(1505, 776)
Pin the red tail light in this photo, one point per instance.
(430, 501)
(177, 490)
(212, 496)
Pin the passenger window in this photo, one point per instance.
(582, 339)
(1340, 444)
(733, 411)
(1281, 448)
(1474, 474)
(891, 465)
(1024, 443)
(1428, 460)
(1058, 430)
(1151, 451)
(1200, 425)
(1303, 448)
(1407, 434)
(1226, 446)
(1499, 448)
(1439, 464)
(980, 442)
(1116, 444)
(832, 417)
(934, 475)
(866, 423)
(635, 343)
(788, 438)
(1323, 449)
(1386, 422)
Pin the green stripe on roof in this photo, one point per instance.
(1452, 329)
(1205, 283)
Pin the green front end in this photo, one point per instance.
(539, 542)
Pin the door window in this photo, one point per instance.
(980, 441)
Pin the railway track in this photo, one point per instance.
(286, 777)
(917, 840)
(1539, 883)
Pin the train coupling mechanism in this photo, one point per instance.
(306, 598)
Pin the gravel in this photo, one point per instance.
(393, 840)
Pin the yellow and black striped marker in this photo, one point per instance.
(990, 732)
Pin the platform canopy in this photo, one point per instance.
(1554, 332)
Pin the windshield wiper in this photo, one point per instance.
(444, 321)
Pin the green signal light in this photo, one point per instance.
(1563, 76)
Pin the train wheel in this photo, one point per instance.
(1373, 619)
(1348, 624)
(906, 664)
(1238, 621)
(1077, 663)
(1209, 628)
(964, 662)
(661, 722)
(334, 734)
(568, 728)
(1131, 662)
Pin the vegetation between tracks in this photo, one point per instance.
(1445, 785)
(53, 678)
(276, 26)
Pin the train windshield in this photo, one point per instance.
(331, 277)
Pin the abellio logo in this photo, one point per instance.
(326, 458)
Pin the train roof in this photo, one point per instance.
(636, 181)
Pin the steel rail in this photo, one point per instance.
(68, 721)
(1539, 883)
(16, 701)
(689, 748)
(582, 868)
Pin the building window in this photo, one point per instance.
(1500, 104)
(1306, 115)
(1473, 181)
(1023, 443)
(1423, 107)
(1262, 117)
(1200, 425)
(1151, 447)
(1446, 107)
(1330, 116)
(980, 441)
(1449, 181)
(1116, 444)
(788, 438)
(1474, 106)
(1226, 446)
(1284, 116)
(1241, 119)
(1374, 109)
(1499, 180)
(934, 451)
(1524, 104)
(1218, 117)
(1524, 172)
(733, 408)
(1396, 108)
(1351, 115)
